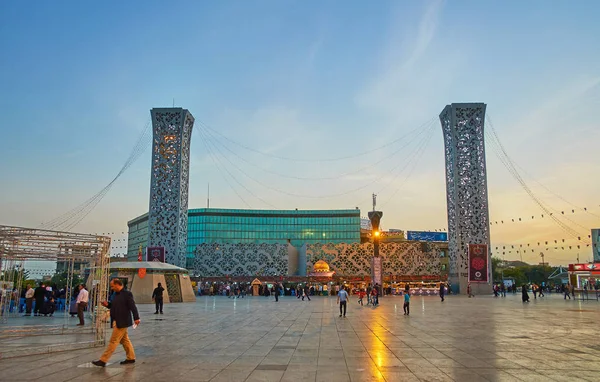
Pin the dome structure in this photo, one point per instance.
(321, 267)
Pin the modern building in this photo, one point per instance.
(233, 226)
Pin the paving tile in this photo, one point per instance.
(462, 340)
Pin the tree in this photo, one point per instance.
(516, 274)
(496, 269)
(60, 279)
(16, 273)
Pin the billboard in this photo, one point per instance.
(426, 236)
(155, 254)
(478, 263)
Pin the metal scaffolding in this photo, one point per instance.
(90, 252)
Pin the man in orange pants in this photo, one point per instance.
(122, 307)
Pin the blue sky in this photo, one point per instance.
(303, 80)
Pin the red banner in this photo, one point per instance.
(584, 267)
(478, 263)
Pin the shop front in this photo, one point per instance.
(585, 276)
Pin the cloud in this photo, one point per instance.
(409, 76)
(558, 109)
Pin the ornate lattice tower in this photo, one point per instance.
(168, 212)
(466, 189)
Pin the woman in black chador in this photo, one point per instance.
(525, 296)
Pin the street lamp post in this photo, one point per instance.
(376, 264)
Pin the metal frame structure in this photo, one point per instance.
(18, 244)
(168, 210)
(466, 188)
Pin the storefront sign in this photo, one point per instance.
(478, 263)
(584, 267)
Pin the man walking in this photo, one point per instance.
(442, 291)
(276, 291)
(38, 295)
(122, 307)
(342, 299)
(81, 302)
(306, 293)
(157, 296)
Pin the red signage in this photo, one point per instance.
(155, 254)
(593, 267)
(142, 272)
(478, 263)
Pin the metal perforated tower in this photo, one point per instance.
(466, 189)
(168, 212)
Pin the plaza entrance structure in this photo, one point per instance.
(175, 280)
(466, 193)
(28, 335)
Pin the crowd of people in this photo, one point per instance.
(45, 300)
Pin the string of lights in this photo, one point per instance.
(73, 217)
(216, 162)
(309, 160)
(218, 151)
(500, 152)
(412, 135)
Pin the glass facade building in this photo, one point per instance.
(212, 225)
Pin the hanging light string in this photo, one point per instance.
(498, 148)
(411, 136)
(223, 170)
(576, 207)
(416, 158)
(73, 217)
(218, 152)
(308, 160)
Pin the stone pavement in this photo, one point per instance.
(257, 339)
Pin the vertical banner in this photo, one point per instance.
(478, 263)
(376, 269)
(155, 254)
(140, 253)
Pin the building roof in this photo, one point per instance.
(149, 265)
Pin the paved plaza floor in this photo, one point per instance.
(257, 339)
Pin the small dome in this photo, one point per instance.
(321, 266)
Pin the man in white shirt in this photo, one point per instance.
(82, 303)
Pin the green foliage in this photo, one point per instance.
(536, 274)
(496, 269)
(60, 279)
(15, 276)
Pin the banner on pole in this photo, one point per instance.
(377, 272)
(478, 263)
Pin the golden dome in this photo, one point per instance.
(321, 267)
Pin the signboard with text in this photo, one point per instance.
(155, 254)
(426, 236)
(478, 263)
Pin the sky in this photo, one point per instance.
(311, 82)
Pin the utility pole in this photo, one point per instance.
(543, 265)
